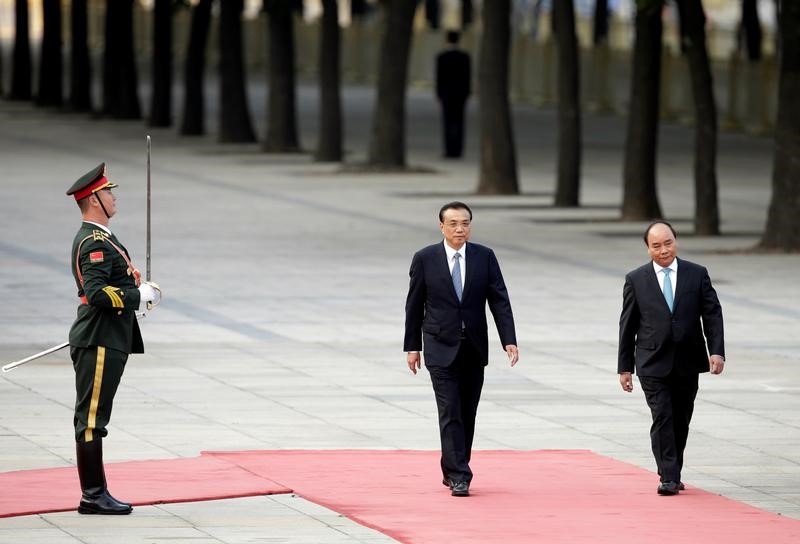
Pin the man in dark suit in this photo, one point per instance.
(104, 332)
(451, 282)
(671, 321)
(452, 90)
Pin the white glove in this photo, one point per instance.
(150, 293)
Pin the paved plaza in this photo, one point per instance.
(282, 324)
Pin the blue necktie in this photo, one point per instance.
(668, 289)
(457, 275)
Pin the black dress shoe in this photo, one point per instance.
(447, 483)
(123, 503)
(681, 487)
(460, 489)
(668, 488)
(103, 503)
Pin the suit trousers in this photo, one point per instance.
(671, 402)
(98, 371)
(453, 127)
(457, 389)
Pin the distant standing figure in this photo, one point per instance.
(452, 90)
(670, 331)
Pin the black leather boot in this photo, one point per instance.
(95, 498)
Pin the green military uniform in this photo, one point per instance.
(103, 335)
(106, 330)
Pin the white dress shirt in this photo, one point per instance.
(673, 276)
(451, 261)
(98, 225)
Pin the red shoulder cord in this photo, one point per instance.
(131, 268)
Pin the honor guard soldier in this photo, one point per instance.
(105, 332)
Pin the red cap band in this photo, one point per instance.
(91, 188)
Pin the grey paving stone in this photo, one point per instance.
(253, 348)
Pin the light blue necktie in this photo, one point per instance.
(668, 289)
(457, 275)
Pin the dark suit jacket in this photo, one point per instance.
(108, 318)
(434, 314)
(452, 76)
(655, 342)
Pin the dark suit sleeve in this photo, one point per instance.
(499, 303)
(415, 306)
(711, 313)
(628, 326)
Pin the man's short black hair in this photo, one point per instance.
(653, 224)
(83, 204)
(453, 36)
(455, 205)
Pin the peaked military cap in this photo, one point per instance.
(90, 183)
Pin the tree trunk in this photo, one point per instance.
(640, 197)
(329, 146)
(569, 107)
(51, 65)
(120, 79)
(783, 222)
(706, 212)
(467, 13)
(21, 60)
(498, 171)
(234, 113)
(161, 98)
(387, 148)
(80, 88)
(432, 14)
(600, 27)
(110, 59)
(358, 8)
(194, 102)
(281, 102)
(751, 28)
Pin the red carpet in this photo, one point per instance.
(138, 482)
(518, 497)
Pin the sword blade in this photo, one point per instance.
(147, 254)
